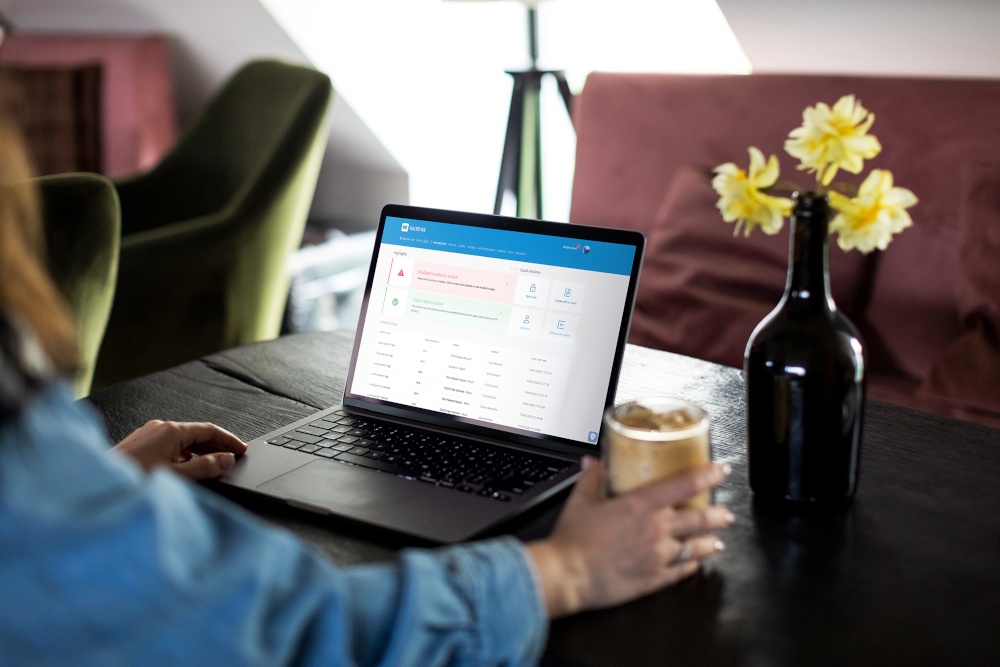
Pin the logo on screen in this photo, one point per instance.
(405, 227)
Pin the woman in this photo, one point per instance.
(111, 557)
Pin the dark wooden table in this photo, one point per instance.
(910, 575)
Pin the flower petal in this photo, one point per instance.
(833, 138)
(869, 220)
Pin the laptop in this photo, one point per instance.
(487, 350)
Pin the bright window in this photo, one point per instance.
(427, 76)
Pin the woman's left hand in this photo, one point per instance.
(192, 450)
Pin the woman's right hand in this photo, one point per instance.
(607, 551)
(195, 450)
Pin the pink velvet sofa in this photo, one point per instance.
(928, 307)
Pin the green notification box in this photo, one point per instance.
(446, 310)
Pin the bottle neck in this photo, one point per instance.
(808, 283)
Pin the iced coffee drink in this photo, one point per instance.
(649, 439)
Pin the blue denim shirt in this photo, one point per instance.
(101, 564)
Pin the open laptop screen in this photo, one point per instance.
(494, 326)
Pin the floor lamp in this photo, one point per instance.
(521, 164)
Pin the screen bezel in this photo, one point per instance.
(529, 226)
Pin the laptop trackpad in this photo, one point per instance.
(327, 485)
(382, 499)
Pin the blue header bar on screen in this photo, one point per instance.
(506, 244)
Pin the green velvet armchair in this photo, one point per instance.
(82, 232)
(207, 232)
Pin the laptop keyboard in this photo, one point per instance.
(464, 465)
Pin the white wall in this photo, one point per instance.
(211, 39)
(907, 37)
(428, 76)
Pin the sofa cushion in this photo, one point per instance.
(967, 374)
(912, 316)
(703, 290)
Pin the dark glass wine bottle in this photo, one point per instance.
(805, 379)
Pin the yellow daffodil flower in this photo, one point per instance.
(869, 220)
(833, 138)
(741, 196)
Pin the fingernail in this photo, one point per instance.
(586, 463)
(729, 517)
(719, 546)
(226, 460)
(727, 469)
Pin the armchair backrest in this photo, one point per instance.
(251, 132)
(82, 231)
(206, 234)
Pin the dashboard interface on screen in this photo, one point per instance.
(498, 327)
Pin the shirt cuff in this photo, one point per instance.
(502, 586)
